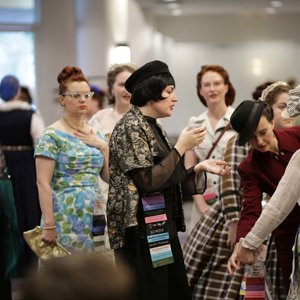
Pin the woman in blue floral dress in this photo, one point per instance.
(69, 157)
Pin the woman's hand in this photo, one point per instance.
(233, 262)
(90, 138)
(189, 138)
(245, 255)
(49, 237)
(218, 167)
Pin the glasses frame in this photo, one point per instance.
(215, 84)
(79, 96)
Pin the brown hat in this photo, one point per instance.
(245, 119)
(151, 68)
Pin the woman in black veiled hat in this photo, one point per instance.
(147, 178)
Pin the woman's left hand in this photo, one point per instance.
(245, 255)
(90, 138)
(218, 167)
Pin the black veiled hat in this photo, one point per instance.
(151, 68)
(245, 119)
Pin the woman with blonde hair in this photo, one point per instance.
(118, 99)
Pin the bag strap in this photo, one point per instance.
(215, 143)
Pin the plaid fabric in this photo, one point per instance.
(206, 255)
(230, 187)
(205, 251)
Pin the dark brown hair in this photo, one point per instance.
(268, 113)
(69, 74)
(111, 78)
(258, 90)
(230, 95)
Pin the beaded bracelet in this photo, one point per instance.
(49, 228)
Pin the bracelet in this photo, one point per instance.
(49, 228)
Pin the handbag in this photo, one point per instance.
(33, 238)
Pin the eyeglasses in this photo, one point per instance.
(216, 84)
(79, 96)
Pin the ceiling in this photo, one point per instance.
(216, 7)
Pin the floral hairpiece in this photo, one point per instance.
(270, 88)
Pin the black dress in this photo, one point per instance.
(170, 281)
(17, 145)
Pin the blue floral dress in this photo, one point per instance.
(74, 186)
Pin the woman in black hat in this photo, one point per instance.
(261, 171)
(144, 209)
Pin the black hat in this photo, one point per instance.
(151, 68)
(245, 119)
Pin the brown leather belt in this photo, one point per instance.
(16, 148)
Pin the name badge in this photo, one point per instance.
(158, 239)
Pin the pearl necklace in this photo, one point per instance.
(73, 127)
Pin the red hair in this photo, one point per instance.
(230, 95)
(69, 74)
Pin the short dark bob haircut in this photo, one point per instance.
(151, 89)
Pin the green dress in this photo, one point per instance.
(10, 243)
(74, 186)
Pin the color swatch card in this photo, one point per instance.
(255, 281)
(158, 238)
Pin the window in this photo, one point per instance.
(17, 18)
(17, 56)
(19, 12)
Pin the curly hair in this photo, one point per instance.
(69, 74)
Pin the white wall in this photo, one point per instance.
(55, 48)
(92, 37)
(233, 42)
(78, 32)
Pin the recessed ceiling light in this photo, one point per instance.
(276, 4)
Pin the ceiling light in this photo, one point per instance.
(256, 66)
(120, 54)
(276, 4)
